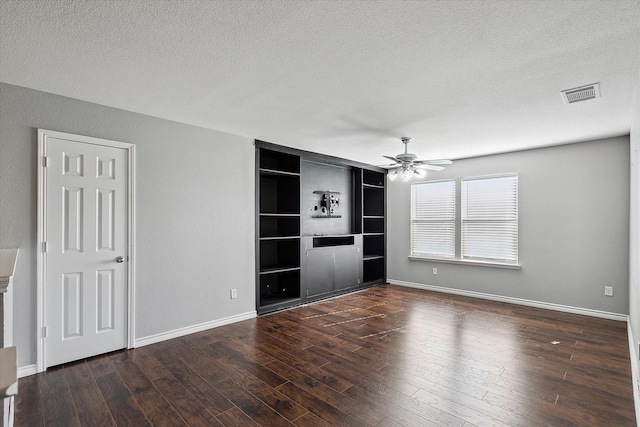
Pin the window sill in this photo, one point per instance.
(464, 262)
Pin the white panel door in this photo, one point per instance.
(85, 290)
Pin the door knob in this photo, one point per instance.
(120, 259)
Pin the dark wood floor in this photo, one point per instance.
(388, 356)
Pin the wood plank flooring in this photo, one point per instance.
(387, 356)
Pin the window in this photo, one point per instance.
(490, 219)
(433, 215)
(473, 220)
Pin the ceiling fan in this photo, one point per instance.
(407, 165)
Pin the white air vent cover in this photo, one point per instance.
(583, 93)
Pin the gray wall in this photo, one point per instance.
(195, 211)
(573, 227)
(634, 228)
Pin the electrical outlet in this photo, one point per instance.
(435, 271)
(234, 293)
(608, 291)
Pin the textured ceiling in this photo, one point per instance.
(346, 78)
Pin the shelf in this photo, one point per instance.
(373, 178)
(326, 241)
(370, 257)
(277, 269)
(373, 245)
(373, 225)
(279, 238)
(282, 285)
(279, 161)
(279, 254)
(277, 226)
(277, 172)
(279, 194)
(372, 186)
(373, 270)
(373, 201)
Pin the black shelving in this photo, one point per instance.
(373, 270)
(370, 177)
(279, 226)
(373, 227)
(278, 230)
(279, 288)
(284, 276)
(373, 245)
(279, 254)
(372, 200)
(279, 193)
(279, 161)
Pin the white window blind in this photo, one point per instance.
(433, 215)
(489, 210)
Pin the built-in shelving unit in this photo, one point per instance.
(320, 226)
(278, 228)
(373, 226)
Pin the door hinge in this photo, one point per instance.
(45, 161)
(44, 247)
(44, 332)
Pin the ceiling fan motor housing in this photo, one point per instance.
(406, 157)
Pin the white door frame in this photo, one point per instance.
(43, 135)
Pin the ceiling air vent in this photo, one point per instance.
(582, 93)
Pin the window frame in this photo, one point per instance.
(458, 259)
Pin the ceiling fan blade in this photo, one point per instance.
(391, 158)
(398, 165)
(430, 167)
(439, 162)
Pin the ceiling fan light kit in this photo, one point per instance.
(405, 175)
(407, 166)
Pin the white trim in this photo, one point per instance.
(43, 135)
(495, 175)
(180, 332)
(635, 378)
(26, 371)
(131, 236)
(40, 258)
(519, 301)
(465, 262)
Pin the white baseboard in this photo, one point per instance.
(635, 378)
(511, 300)
(163, 336)
(25, 371)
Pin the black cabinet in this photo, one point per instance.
(331, 265)
(278, 230)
